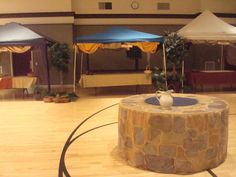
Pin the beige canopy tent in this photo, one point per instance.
(208, 28)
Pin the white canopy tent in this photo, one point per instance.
(208, 28)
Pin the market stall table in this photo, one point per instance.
(18, 82)
(115, 79)
(190, 137)
(212, 78)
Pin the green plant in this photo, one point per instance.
(176, 49)
(158, 79)
(39, 92)
(59, 56)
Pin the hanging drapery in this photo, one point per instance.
(150, 47)
(89, 48)
(15, 49)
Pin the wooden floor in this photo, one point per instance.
(33, 133)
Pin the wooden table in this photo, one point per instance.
(183, 140)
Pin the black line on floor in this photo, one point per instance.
(91, 130)
(211, 173)
(62, 171)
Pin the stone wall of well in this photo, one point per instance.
(183, 142)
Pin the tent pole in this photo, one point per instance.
(88, 63)
(164, 65)
(81, 64)
(222, 57)
(47, 63)
(32, 60)
(182, 81)
(11, 63)
(75, 63)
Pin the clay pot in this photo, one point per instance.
(48, 99)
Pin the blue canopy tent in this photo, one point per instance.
(119, 34)
(117, 37)
(17, 38)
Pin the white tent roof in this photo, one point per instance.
(14, 32)
(208, 27)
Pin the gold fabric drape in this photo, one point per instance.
(89, 47)
(149, 47)
(15, 49)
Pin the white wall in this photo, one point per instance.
(23, 6)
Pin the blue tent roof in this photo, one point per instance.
(119, 34)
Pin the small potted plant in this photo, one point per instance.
(38, 92)
(158, 79)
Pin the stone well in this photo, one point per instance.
(183, 140)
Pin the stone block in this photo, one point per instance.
(172, 139)
(138, 136)
(161, 122)
(182, 166)
(167, 150)
(153, 133)
(159, 163)
(149, 149)
(128, 142)
(211, 153)
(214, 140)
(179, 125)
(139, 160)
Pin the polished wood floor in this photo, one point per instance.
(33, 133)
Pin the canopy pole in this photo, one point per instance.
(88, 63)
(47, 65)
(148, 67)
(75, 63)
(32, 60)
(222, 57)
(164, 65)
(81, 64)
(182, 80)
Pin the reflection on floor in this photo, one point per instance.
(33, 134)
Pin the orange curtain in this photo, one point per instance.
(149, 47)
(15, 49)
(89, 47)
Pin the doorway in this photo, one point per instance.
(21, 63)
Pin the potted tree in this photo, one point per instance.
(176, 48)
(59, 55)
